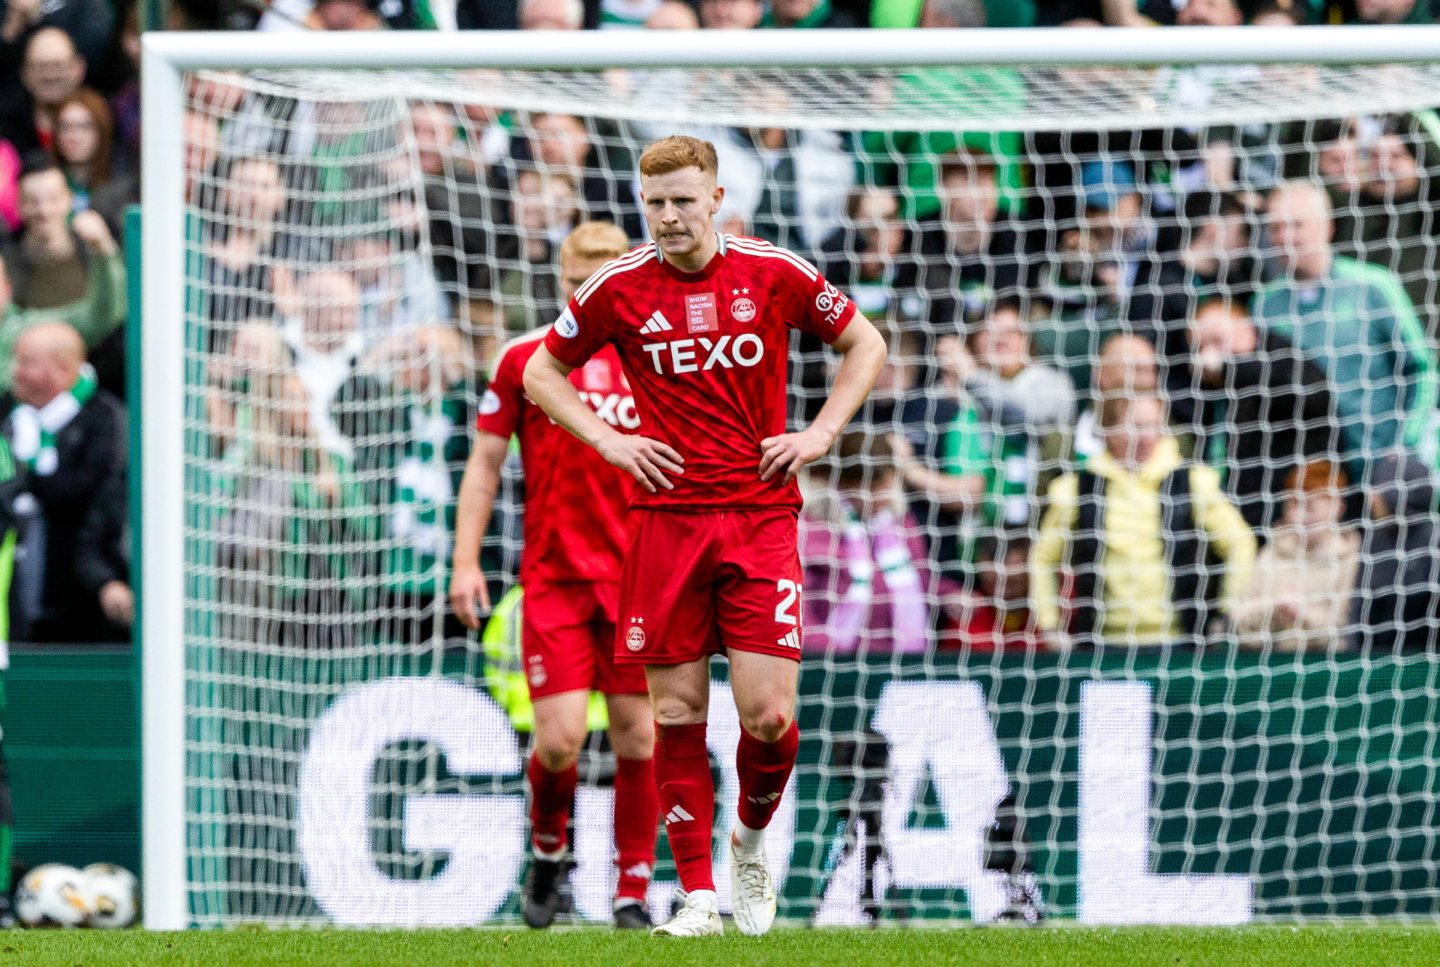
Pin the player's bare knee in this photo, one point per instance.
(633, 740)
(677, 710)
(556, 759)
(767, 725)
(558, 746)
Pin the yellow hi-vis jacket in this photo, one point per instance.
(505, 668)
(1136, 593)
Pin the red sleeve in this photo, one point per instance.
(581, 329)
(504, 398)
(820, 308)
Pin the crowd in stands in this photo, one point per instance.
(69, 167)
(1145, 387)
(774, 14)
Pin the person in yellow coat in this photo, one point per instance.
(1144, 544)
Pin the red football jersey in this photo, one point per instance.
(707, 354)
(574, 501)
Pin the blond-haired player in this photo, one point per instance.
(570, 569)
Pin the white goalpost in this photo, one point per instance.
(319, 747)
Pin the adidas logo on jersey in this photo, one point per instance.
(678, 815)
(656, 323)
(791, 640)
(704, 354)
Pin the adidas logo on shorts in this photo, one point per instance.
(791, 640)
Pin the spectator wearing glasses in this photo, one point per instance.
(85, 148)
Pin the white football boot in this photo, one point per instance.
(699, 916)
(752, 891)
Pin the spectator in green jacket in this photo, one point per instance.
(405, 414)
(49, 259)
(1355, 322)
(963, 13)
(97, 314)
(1028, 408)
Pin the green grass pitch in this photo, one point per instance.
(974, 947)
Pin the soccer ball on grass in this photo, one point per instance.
(113, 894)
(53, 895)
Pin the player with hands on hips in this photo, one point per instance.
(701, 322)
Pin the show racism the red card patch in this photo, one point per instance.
(700, 313)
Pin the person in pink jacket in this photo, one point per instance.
(9, 186)
(869, 586)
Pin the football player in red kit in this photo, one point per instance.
(702, 325)
(570, 570)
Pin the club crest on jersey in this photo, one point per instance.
(489, 403)
(700, 315)
(742, 309)
(635, 638)
(566, 325)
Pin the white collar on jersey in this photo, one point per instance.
(720, 246)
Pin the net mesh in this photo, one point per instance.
(1037, 679)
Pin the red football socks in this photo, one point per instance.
(763, 769)
(687, 801)
(552, 794)
(637, 804)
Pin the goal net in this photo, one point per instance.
(1120, 594)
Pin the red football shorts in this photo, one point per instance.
(697, 584)
(567, 636)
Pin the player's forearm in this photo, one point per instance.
(553, 392)
(476, 500)
(859, 368)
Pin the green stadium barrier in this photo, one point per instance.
(1314, 781)
(1221, 787)
(72, 746)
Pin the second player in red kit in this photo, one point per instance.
(702, 324)
(570, 569)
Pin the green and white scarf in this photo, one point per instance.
(422, 503)
(33, 430)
